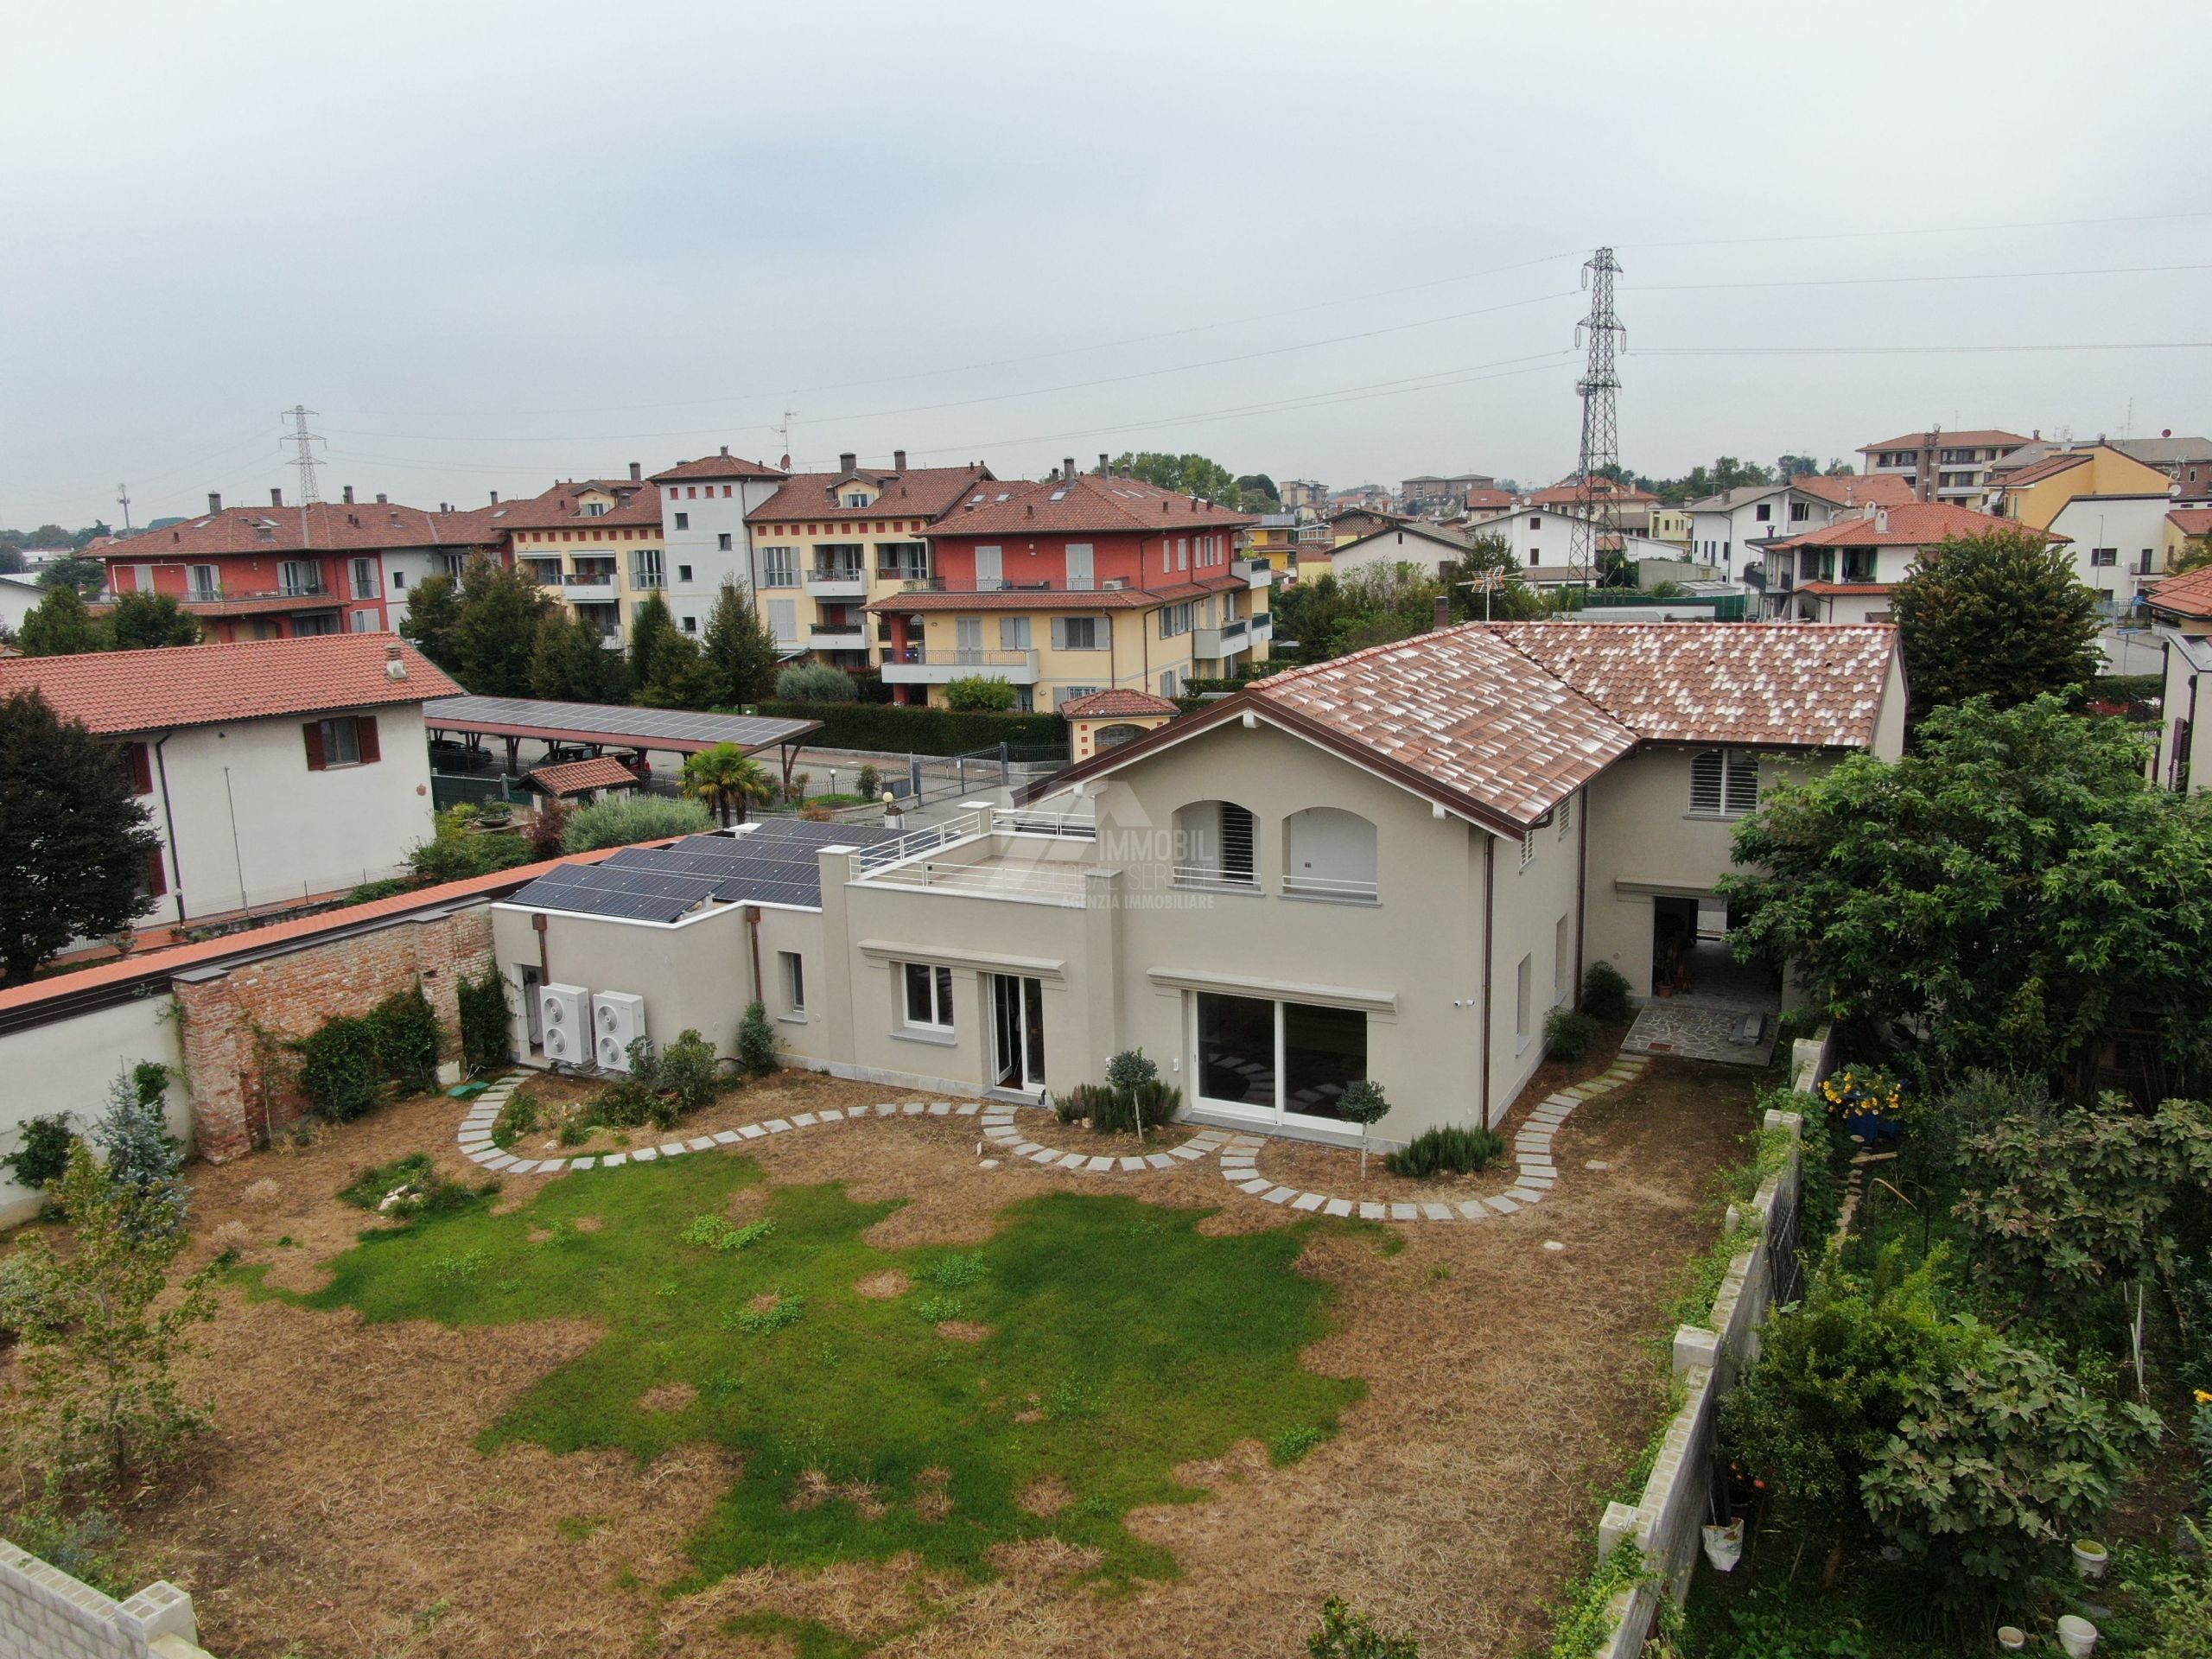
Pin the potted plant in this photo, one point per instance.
(1868, 1100)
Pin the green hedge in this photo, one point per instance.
(919, 731)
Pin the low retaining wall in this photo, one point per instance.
(46, 1614)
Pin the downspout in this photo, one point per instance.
(752, 937)
(544, 955)
(1581, 900)
(168, 822)
(1489, 866)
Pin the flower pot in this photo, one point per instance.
(1869, 1126)
(2090, 1558)
(2011, 1638)
(2077, 1636)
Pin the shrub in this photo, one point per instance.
(690, 1071)
(978, 691)
(338, 1067)
(1077, 1103)
(42, 1154)
(913, 729)
(1568, 1034)
(869, 785)
(457, 849)
(411, 1186)
(390, 887)
(1462, 1151)
(408, 1037)
(1348, 1635)
(1364, 1104)
(623, 1104)
(516, 1118)
(814, 682)
(1129, 1068)
(1604, 993)
(141, 1153)
(1143, 1106)
(756, 1042)
(620, 820)
(486, 1030)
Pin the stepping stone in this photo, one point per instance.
(582, 1163)
(1307, 1201)
(551, 1166)
(1253, 1187)
(1132, 1163)
(471, 1141)
(1437, 1212)
(751, 1131)
(1475, 1210)
(912, 1109)
(989, 1163)
(1043, 1155)
(672, 1149)
(1027, 1147)
(831, 1115)
(776, 1125)
(1337, 1206)
(701, 1143)
(645, 1154)
(889, 1109)
(522, 1166)
(1159, 1160)
(1187, 1152)
(1522, 1194)
(967, 1110)
(1095, 1163)
(1006, 1133)
(1372, 1212)
(941, 1109)
(1405, 1212)
(1541, 1183)
(1504, 1206)
(1280, 1195)
(612, 1159)
(1072, 1160)
(727, 1137)
(804, 1120)
(499, 1161)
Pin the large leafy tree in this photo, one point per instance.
(497, 628)
(74, 842)
(144, 621)
(2013, 891)
(2000, 615)
(60, 626)
(433, 621)
(1193, 474)
(652, 631)
(569, 663)
(741, 648)
(86, 575)
(681, 677)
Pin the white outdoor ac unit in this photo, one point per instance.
(617, 1019)
(564, 1023)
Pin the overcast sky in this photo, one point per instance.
(494, 244)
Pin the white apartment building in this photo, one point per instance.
(702, 508)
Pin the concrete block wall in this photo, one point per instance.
(47, 1614)
(227, 1014)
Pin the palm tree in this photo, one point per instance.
(722, 776)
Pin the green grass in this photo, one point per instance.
(1132, 1342)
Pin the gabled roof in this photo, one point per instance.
(113, 692)
(923, 492)
(324, 527)
(2192, 521)
(1368, 512)
(1916, 524)
(2187, 594)
(1441, 536)
(1978, 439)
(560, 508)
(716, 467)
(1084, 504)
(2049, 467)
(1565, 493)
(2163, 452)
(1115, 703)
(1499, 722)
(1855, 489)
(577, 777)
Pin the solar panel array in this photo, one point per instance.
(774, 862)
(615, 724)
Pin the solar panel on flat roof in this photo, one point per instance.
(615, 724)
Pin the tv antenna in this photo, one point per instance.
(783, 431)
(123, 500)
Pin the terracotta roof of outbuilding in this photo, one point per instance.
(1115, 703)
(1059, 599)
(923, 492)
(722, 465)
(2187, 594)
(117, 691)
(1916, 524)
(575, 777)
(324, 527)
(1084, 504)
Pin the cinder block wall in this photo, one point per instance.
(232, 1021)
(46, 1614)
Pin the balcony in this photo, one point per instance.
(996, 852)
(1224, 641)
(839, 581)
(915, 666)
(836, 636)
(588, 587)
(989, 585)
(1257, 573)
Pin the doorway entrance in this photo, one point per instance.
(1270, 1062)
(1017, 1033)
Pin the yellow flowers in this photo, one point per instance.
(1866, 1091)
(2204, 1396)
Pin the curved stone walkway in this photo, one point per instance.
(1532, 1152)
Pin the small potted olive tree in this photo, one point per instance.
(1363, 1103)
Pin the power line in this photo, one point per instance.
(1920, 230)
(1907, 351)
(1960, 276)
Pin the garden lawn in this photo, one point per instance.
(1044, 1383)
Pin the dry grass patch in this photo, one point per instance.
(962, 1330)
(888, 1286)
(668, 1397)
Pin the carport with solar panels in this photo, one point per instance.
(574, 730)
(775, 862)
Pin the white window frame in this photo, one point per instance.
(929, 985)
(1732, 791)
(779, 567)
(1523, 979)
(1013, 632)
(791, 970)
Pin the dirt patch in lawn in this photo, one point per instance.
(884, 1287)
(962, 1330)
(342, 1497)
(668, 1397)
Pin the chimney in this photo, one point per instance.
(898, 460)
(1443, 611)
(1105, 467)
(495, 498)
(214, 501)
(349, 495)
(725, 449)
(276, 498)
(380, 501)
(1067, 469)
(637, 471)
(845, 462)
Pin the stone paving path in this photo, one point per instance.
(1532, 1152)
(1239, 1153)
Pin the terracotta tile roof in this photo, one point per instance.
(2187, 594)
(1564, 493)
(1480, 499)
(116, 691)
(924, 492)
(2051, 466)
(1916, 524)
(1114, 702)
(558, 508)
(575, 777)
(722, 465)
(1783, 682)
(326, 527)
(2192, 521)
(1989, 439)
(1059, 599)
(1829, 588)
(1086, 502)
(1856, 489)
(255, 605)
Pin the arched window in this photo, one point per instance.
(1329, 853)
(1215, 846)
(1112, 737)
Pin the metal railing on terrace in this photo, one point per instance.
(1343, 893)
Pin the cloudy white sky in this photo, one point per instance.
(495, 244)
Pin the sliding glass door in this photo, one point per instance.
(1017, 1032)
(1273, 1061)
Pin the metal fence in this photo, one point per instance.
(455, 789)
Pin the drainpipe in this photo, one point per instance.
(752, 939)
(168, 822)
(1581, 899)
(1489, 868)
(544, 955)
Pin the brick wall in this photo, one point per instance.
(46, 1614)
(237, 1096)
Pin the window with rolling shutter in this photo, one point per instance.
(1724, 783)
(157, 876)
(1237, 840)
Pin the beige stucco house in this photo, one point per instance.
(1391, 867)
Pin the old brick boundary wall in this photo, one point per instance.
(242, 1093)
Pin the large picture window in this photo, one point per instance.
(929, 996)
(1274, 1061)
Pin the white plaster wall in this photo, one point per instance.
(67, 1066)
(1527, 904)
(2131, 525)
(698, 545)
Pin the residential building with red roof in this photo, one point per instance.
(1843, 571)
(287, 571)
(1079, 583)
(2186, 529)
(1954, 467)
(1543, 539)
(2111, 507)
(274, 771)
(703, 504)
(594, 544)
(1733, 528)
